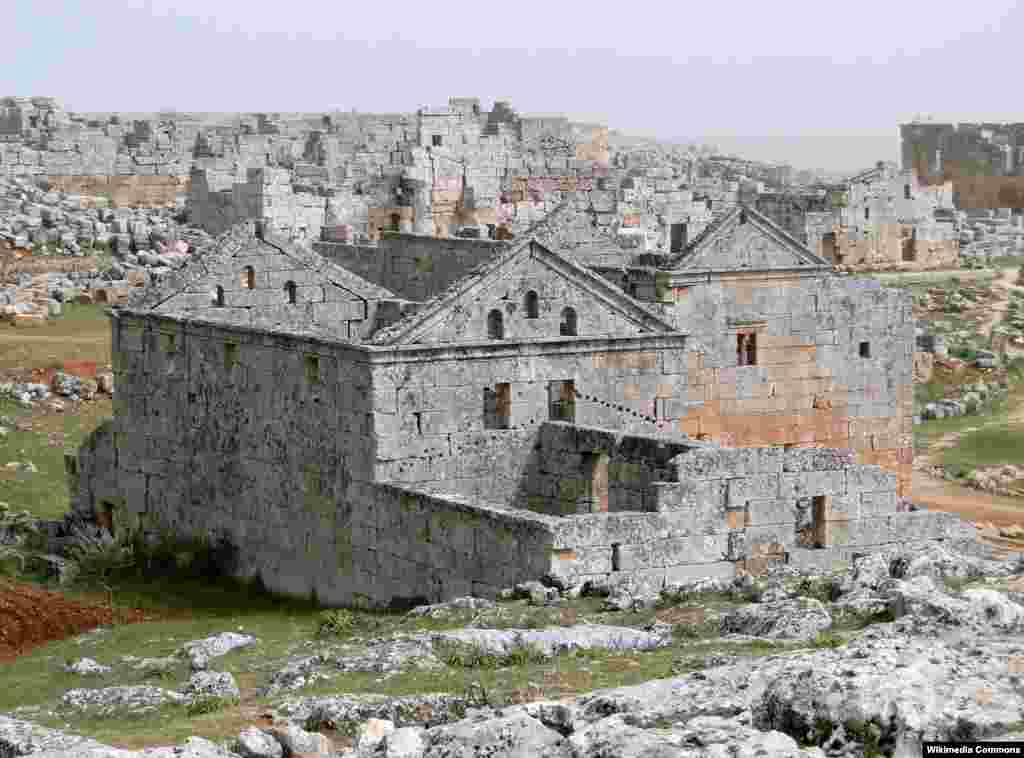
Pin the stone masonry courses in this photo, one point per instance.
(711, 412)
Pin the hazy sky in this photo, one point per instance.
(788, 68)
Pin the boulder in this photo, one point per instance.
(798, 619)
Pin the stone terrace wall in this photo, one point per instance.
(410, 543)
(742, 508)
(563, 480)
(412, 266)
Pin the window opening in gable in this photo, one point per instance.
(249, 278)
(568, 326)
(291, 291)
(532, 305)
(495, 325)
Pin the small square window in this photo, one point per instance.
(435, 140)
(168, 342)
(313, 369)
(865, 349)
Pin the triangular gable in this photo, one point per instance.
(745, 240)
(599, 290)
(206, 266)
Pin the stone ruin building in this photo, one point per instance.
(457, 416)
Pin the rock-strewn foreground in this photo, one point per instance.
(950, 666)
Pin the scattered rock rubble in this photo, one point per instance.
(947, 667)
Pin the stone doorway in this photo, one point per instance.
(595, 471)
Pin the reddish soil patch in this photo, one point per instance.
(30, 617)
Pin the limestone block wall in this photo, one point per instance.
(432, 405)
(126, 191)
(811, 384)
(509, 297)
(416, 267)
(223, 431)
(741, 509)
(579, 469)
(410, 543)
(92, 473)
(254, 288)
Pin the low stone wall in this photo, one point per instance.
(437, 546)
(45, 264)
(581, 469)
(125, 191)
(740, 509)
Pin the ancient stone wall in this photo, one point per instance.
(731, 509)
(437, 414)
(223, 431)
(409, 543)
(833, 365)
(580, 469)
(126, 191)
(415, 267)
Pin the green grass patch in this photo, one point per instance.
(80, 333)
(989, 446)
(45, 493)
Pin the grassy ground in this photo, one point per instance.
(988, 446)
(82, 333)
(197, 608)
(44, 493)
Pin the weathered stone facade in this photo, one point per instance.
(523, 417)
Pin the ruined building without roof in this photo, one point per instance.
(442, 417)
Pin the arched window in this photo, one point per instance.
(291, 290)
(568, 325)
(532, 305)
(249, 278)
(218, 297)
(495, 325)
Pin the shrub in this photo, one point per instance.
(338, 623)
(468, 655)
(701, 631)
(828, 640)
(825, 589)
(206, 705)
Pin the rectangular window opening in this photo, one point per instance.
(313, 369)
(498, 406)
(168, 342)
(562, 401)
(819, 521)
(746, 349)
(435, 140)
(616, 557)
(865, 349)
(230, 355)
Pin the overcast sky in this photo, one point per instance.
(788, 68)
